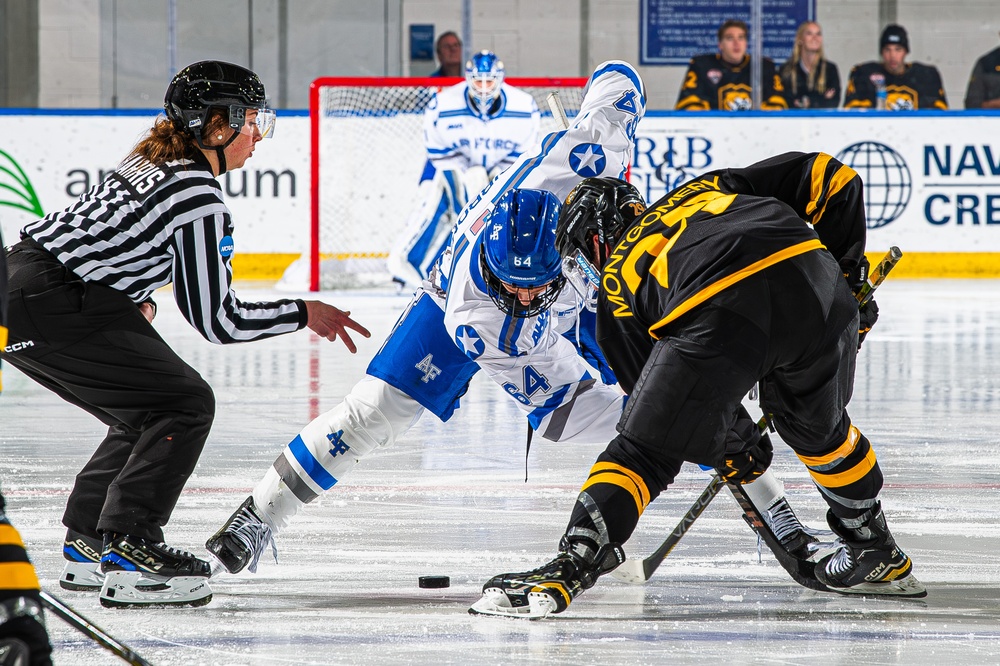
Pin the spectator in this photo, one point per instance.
(984, 83)
(809, 79)
(894, 84)
(721, 81)
(448, 48)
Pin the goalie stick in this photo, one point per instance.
(91, 630)
(801, 570)
(558, 112)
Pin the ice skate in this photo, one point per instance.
(139, 572)
(869, 562)
(804, 543)
(240, 542)
(548, 589)
(82, 571)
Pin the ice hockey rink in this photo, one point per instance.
(452, 499)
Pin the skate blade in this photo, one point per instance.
(906, 587)
(631, 572)
(215, 565)
(495, 602)
(131, 589)
(81, 577)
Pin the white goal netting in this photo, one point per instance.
(367, 158)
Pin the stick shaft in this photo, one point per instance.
(91, 630)
(558, 112)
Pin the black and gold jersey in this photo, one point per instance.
(918, 87)
(712, 84)
(707, 235)
(984, 82)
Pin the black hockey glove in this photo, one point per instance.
(748, 464)
(869, 315)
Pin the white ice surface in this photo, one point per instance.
(451, 499)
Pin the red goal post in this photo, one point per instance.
(366, 157)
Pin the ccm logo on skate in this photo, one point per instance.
(18, 346)
(141, 557)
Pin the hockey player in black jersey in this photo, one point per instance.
(721, 81)
(739, 277)
(894, 84)
(80, 287)
(983, 91)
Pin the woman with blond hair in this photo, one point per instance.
(81, 282)
(810, 80)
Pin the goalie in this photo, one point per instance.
(472, 132)
(493, 303)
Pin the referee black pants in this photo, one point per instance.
(92, 346)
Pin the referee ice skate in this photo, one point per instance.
(81, 308)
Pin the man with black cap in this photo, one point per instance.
(894, 84)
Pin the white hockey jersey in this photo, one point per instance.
(528, 357)
(457, 136)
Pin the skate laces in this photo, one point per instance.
(841, 563)
(782, 519)
(254, 534)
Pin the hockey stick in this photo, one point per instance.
(558, 112)
(638, 572)
(878, 274)
(91, 630)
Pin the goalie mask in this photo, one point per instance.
(484, 76)
(519, 261)
(213, 84)
(596, 215)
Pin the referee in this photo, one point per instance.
(80, 311)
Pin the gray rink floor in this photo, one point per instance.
(451, 499)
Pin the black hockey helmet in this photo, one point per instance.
(200, 87)
(595, 216)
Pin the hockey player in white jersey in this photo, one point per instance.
(472, 132)
(490, 304)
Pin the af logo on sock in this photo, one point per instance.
(339, 446)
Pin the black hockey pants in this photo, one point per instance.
(91, 345)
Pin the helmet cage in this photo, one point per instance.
(518, 252)
(484, 74)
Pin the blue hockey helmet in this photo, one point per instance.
(519, 260)
(484, 75)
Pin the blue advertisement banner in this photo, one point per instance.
(671, 32)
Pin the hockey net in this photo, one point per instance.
(366, 161)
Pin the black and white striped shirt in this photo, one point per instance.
(146, 226)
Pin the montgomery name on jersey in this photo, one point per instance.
(662, 267)
(712, 84)
(458, 135)
(918, 87)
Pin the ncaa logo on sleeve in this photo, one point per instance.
(587, 159)
(226, 246)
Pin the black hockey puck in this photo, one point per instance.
(433, 581)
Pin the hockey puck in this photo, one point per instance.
(433, 581)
